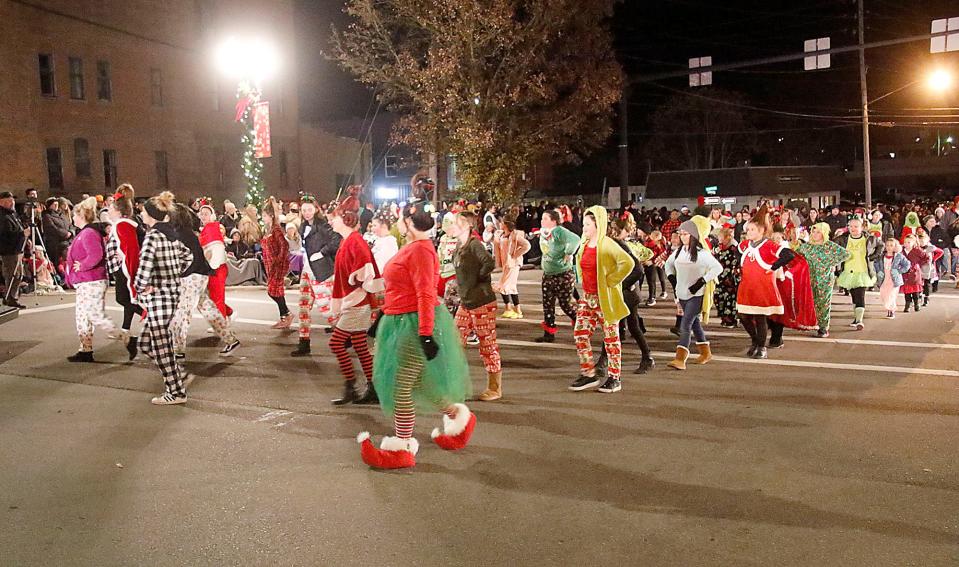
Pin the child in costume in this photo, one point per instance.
(276, 260)
(912, 278)
(858, 271)
(930, 275)
(728, 283)
(889, 270)
(510, 247)
(911, 226)
(356, 281)
(123, 260)
(419, 363)
(214, 250)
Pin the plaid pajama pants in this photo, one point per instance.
(590, 315)
(482, 320)
(156, 340)
(90, 312)
(313, 293)
(194, 295)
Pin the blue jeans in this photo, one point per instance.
(692, 311)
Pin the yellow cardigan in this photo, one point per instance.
(613, 264)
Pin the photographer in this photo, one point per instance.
(12, 238)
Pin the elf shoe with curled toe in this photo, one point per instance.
(456, 432)
(394, 452)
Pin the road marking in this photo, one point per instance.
(769, 361)
(34, 310)
(237, 319)
(272, 415)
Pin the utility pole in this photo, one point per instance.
(624, 147)
(866, 158)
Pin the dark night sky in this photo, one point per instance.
(660, 36)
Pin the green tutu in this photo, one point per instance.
(444, 380)
(852, 280)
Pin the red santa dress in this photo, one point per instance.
(211, 238)
(356, 281)
(795, 290)
(758, 293)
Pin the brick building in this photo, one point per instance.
(93, 94)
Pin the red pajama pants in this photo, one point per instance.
(482, 320)
(588, 316)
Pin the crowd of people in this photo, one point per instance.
(422, 283)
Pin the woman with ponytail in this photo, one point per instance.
(194, 290)
(214, 250)
(276, 260)
(87, 273)
(123, 260)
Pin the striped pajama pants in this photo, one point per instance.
(589, 315)
(313, 293)
(407, 379)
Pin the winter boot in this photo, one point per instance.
(302, 349)
(369, 397)
(494, 390)
(349, 394)
(679, 363)
(705, 353)
(645, 365)
(81, 356)
(132, 347)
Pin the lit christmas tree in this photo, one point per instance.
(247, 96)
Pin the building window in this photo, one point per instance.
(48, 82)
(104, 85)
(76, 78)
(156, 87)
(283, 170)
(55, 168)
(81, 156)
(163, 181)
(110, 169)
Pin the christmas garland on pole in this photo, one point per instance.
(247, 96)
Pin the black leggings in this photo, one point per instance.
(635, 323)
(858, 296)
(514, 298)
(280, 301)
(758, 325)
(926, 287)
(912, 298)
(652, 272)
(130, 308)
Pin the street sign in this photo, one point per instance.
(711, 201)
(816, 61)
(700, 79)
(712, 189)
(949, 41)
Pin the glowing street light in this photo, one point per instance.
(939, 80)
(253, 59)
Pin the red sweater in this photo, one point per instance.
(411, 278)
(588, 267)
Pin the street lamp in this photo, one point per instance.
(938, 80)
(249, 62)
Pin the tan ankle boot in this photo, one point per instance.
(679, 363)
(494, 391)
(705, 353)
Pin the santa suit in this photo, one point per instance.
(211, 238)
(123, 261)
(758, 293)
(795, 290)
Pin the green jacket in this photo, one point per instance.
(560, 244)
(474, 264)
(613, 264)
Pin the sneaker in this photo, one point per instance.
(546, 338)
(890, 314)
(751, 352)
(853, 324)
(760, 353)
(729, 325)
(210, 330)
(664, 295)
(650, 302)
(472, 339)
(179, 355)
(645, 365)
(776, 344)
(611, 386)
(508, 314)
(227, 349)
(822, 333)
(860, 326)
(584, 383)
(168, 400)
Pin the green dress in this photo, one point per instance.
(823, 259)
(856, 271)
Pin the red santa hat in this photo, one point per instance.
(394, 452)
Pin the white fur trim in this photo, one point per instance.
(397, 444)
(682, 347)
(217, 250)
(352, 299)
(362, 436)
(457, 425)
(364, 274)
(436, 433)
(755, 310)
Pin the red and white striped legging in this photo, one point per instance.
(312, 293)
(360, 346)
(408, 378)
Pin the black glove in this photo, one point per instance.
(697, 285)
(430, 348)
(672, 280)
(371, 332)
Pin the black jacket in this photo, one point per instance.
(56, 233)
(320, 238)
(199, 264)
(939, 237)
(637, 274)
(11, 233)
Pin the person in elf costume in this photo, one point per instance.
(356, 281)
(123, 261)
(822, 257)
(320, 244)
(601, 267)
(419, 363)
(911, 226)
(214, 249)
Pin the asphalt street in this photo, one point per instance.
(838, 451)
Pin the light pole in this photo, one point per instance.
(249, 61)
(938, 80)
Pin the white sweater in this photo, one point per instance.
(688, 272)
